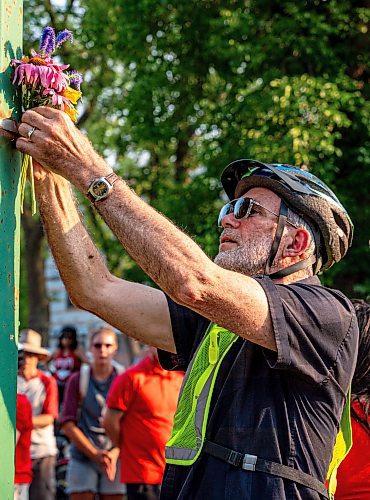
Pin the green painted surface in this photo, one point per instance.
(11, 24)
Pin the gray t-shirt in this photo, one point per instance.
(87, 413)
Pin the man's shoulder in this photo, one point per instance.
(47, 380)
(134, 373)
(312, 291)
(134, 370)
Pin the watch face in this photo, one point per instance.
(100, 188)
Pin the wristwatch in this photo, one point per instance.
(102, 187)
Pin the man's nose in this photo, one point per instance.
(230, 221)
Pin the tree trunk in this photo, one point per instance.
(38, 318)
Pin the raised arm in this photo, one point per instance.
(135, 309)
(171, 258)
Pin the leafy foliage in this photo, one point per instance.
(177, 90)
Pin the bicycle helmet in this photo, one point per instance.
(306, 195)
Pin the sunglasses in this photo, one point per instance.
(99, 345)
(242, 208)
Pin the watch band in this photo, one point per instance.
(110, 179)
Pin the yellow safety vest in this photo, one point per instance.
(191, 418)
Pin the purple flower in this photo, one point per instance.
(75, 78)
(47, 41)
(63, 36)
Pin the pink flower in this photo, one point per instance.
(38, 70)
(57, 99)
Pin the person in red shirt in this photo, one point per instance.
(23, 463)
(42, 392)
(354, 473)
(141, 405)
(67, 358)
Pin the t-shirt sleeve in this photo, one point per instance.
(50, 406)
(315, 331)
(121, 392)
(71, 399)
(24, 414)
(187, 326)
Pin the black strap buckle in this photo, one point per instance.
(235, 458)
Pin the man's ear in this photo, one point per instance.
(297, 242)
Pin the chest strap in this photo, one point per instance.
(253, 463)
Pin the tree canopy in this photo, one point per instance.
(174, 91)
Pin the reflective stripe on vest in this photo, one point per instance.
(188, 433)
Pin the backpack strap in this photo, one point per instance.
(84, 380)
(118, 367)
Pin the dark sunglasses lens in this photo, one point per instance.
(242, 207)
(225, 210)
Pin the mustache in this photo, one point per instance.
(229, 234)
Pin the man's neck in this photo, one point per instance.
(28, 372)
(291, 278)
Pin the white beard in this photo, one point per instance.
(248, 258)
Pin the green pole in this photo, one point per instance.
(11, 24)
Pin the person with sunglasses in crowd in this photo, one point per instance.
(268, 351)
(141, 404)
(92, 469)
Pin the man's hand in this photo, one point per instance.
(102, 458)
(107, 461)
(112, 467)
(59, 146)
(40, 173)
(8, 135)
(9, 129)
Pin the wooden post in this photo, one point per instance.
(11, 24)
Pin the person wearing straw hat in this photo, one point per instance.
(42, 392)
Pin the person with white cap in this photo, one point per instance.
(42, 392)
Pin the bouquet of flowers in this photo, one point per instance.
(46, 83)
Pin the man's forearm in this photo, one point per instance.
(59, 215)
(86, 277)
(111, 425)
(43, 420)
(75, 435)
(164, 252)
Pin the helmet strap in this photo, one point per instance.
(303, 264)
(283, 214)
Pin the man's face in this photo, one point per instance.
(245, 244)
(28, 359)
(103, 347)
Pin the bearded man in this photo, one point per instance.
(268, 352)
